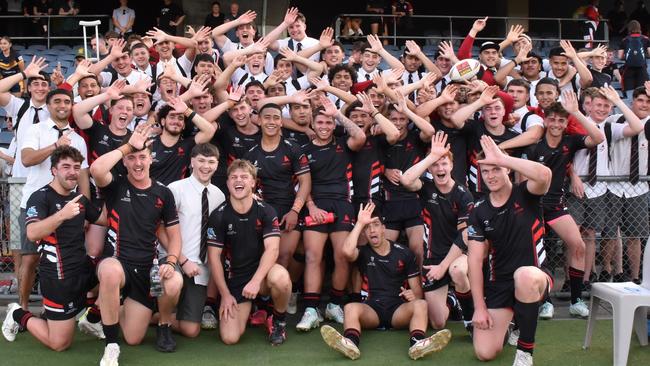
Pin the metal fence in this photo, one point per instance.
(49, 28)
(610, 245)
(455, 27)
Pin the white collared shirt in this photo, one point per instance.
(306, 42)
(133, 77)
(620, 164)
(361, 74)
(532, 120)
(12, 108)
(187, 194)
(38, 137)
(581, 159)
(269, 64)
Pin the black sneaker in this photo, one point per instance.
(636, 281)
(469, 327)
(278, 333)
(164, 340)
(455, 311)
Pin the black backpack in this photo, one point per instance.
(21, 112)
(634, 52)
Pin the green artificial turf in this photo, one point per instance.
(559, 342)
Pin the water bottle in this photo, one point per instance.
(156, 289)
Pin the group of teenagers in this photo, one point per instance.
(244, 179)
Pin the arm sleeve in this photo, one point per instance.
(216, 235)
(270, 222)
(36, 208)
(299, 161)
(475, 227)
(411, 265)
(169, 213)
(465, 49)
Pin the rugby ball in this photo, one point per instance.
(464, 70)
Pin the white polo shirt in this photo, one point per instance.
(38, 137)
(581, 159)
(187, 194)
(620, 164)
(12, 108)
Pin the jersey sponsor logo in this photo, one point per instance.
(127, 196)
(471, 231)
(230, 230)
(104, 141)
(518, 209)
(339, 148)
(346, 219)
(400, 265)
(211, 234)
(286, 161)
(32, 211)
(433, 199)
(181, 152)
(372, 261)
(258, 224)
(159, 203)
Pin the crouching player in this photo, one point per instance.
(55, 219)
(447, 205)
(247, 231)
(385, 268)
(510, 220)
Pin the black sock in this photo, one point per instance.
(354, 297)
(336, 296)
(264, 303)
(212, 303)
(111, 332)
(21, 317)
(93, 316)
(353, 335)
(526, 318)
(279, 317)
(295, 287)
(575, 281)
(415, 335)
(311, 299)
(466, 303)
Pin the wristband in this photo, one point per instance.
(374, 114)
(24, 75)
(185, 261)
(188, 112)
(191, 116)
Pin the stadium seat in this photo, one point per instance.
(37, 48)
(62, 48)
(5, 138)
(630, 303)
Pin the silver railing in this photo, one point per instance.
(50, 36)
(557, 26)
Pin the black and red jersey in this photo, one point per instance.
(63, 252)
(241, 236)
(445, 217)
(558, 159)
(458, 142)
(235, 144)
(102, 140)
(171, 163)
(401, 156)
(297, 138)
(277, 171)
(367, 169)
(134, 215)
(474, 130)
(514, 232)
(383, 275)
(331, 169)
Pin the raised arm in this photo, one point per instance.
(413, 49)
(448, 95)
(463, 114)
(257, 47)
(289, 18)
(356, 137)
(101, 168)
(465, 50)
(80, 110)
(538, 175)
(116, 52)
(206, 129)
(302, 63)
(324, 42)
(350, 250)
(634, 125)
(31, 71)
(585, 75)
(513, 35)
(218, 33)
(426, 129)
(160, 36)
(377, 47)
(594, 135)
(385, 125)
(411, 177)
(323, 85)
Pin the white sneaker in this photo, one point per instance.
(579, 309)
(9, 326)
(337, 342)
(208, 319)
(433, 343)
(292, 307)
(93, 329)
(513, 337)
(546, 311)
(523, 359)
(111, 355)
(334, 312)
(310, 319)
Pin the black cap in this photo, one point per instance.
(489, 45)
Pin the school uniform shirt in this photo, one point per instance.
(296, 45)
(573, 85)
(39, 136)
(269, 64)
(188, 193)
(133, 77)
(243, 77)
(363, 75)
(531, 120)
(532, 99)
(581, 160)
(12, 108)
(620, 153)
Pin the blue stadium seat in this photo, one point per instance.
(67, 57)
(61, 47)
(18, 47)
(66, 63)
(5, 138)
(36, 48)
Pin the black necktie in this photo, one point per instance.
(634, 160)
(299, 47)
(367, 77)
(137, 122)
(205, 210)
(338, 103)
(443, 84)
(412, 95)
(36, 118)
(593, 165)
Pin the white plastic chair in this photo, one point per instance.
(630, 304)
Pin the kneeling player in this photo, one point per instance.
(446, 209)
(248, 231)
(510, 219)
(55, 219)
(385, 267)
